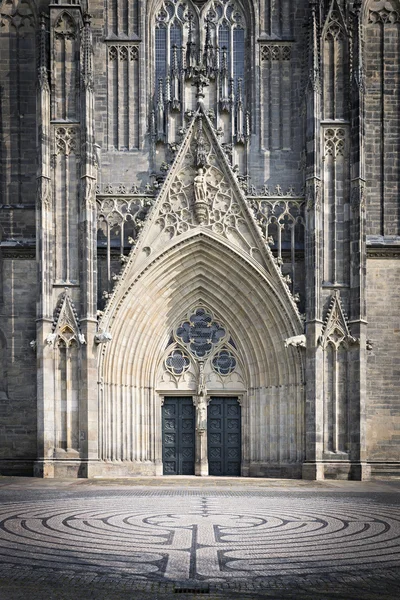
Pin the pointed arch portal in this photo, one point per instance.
(201, 270)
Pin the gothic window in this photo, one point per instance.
(200, 333)
(214, 39)
(169, 38)
(206, 339)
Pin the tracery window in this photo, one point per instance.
(169, 37)
(212, 38)
(203, 338)
(200, 333)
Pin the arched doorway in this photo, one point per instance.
(201, 272)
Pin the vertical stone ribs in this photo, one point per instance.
(382, 49)
(276, 96)
(123, 95)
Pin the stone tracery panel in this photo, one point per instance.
(203, 48)
(282, 224)
(276, 96)
(18, 21)
(201, 356)
(119, 221)
(123, 95)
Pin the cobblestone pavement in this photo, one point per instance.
(185, 538)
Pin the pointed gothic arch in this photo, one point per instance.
(201, 270)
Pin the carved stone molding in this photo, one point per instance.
(66, 329)
(383, 12)
(313, 196)
(336, 330)
(113, 189)
(44, 193)
(276, 52)
(357, 198)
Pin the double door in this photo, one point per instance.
(223, 436)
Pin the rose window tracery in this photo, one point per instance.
(204, 339)
(200, 333)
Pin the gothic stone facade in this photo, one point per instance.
(200, 238)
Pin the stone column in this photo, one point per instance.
(312, 467)
(201, 457)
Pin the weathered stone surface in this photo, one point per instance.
(244, 164)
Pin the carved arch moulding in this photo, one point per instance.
(383, 11)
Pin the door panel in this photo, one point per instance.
(178, 435)
(224, 439)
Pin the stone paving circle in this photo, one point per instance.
(212, 539)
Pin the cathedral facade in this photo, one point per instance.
(200, 238)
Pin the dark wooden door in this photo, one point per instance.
(178, 435)
(223, 434)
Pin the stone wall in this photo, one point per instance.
(18, 363)
(383, 366)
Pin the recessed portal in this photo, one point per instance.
(224, 438)
(178, 435)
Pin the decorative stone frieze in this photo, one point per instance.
(275, 52)
(123, 52)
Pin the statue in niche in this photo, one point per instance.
(200, 186)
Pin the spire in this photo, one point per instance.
(190, 48)
(224, 80)
(87, 66)
(314, 71)
(43, 78)
(208, 54)
(239, 114)
(160, 112)
(358, 66)
(175, 100)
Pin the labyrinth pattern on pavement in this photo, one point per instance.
(215, 539)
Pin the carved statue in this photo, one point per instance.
(200, 186)
(202, 413)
